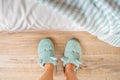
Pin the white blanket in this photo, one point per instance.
(19, 15)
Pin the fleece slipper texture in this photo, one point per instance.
(46, 53)
(72, 53)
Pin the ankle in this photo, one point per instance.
(49, 67)
(69, 68)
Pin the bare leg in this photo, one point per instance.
(48, 74)
(69, 72)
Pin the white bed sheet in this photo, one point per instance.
(19, 15)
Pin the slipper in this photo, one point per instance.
(72, 53)
(46, 53)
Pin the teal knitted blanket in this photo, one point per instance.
(98, 17)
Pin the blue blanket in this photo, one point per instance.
(99, 17)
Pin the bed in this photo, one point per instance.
(20, 15)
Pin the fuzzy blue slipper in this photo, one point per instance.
(72, 53)
(46, 53)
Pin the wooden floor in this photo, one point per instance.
(19, 59)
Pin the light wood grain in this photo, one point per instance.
(19, 59)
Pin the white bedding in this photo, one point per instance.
(19, 15)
